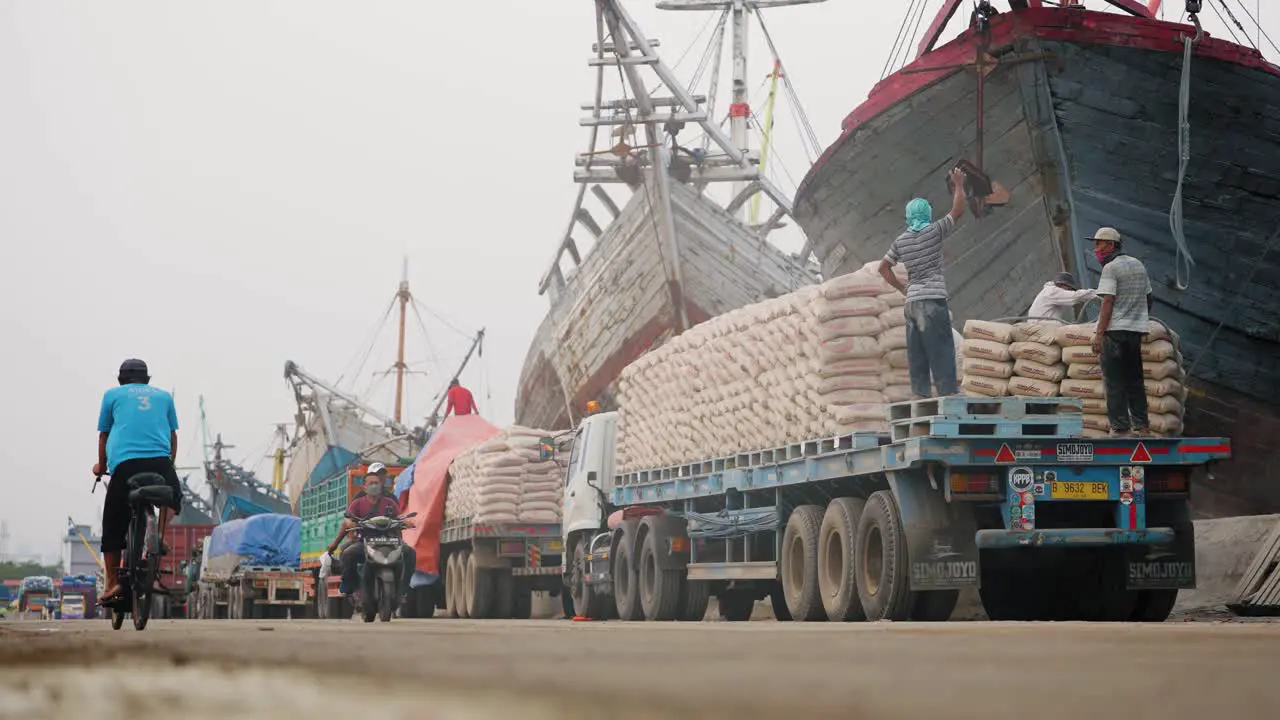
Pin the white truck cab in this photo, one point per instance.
(589, 476)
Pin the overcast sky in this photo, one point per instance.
(218, 187)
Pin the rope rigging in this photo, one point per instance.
(1183, 262)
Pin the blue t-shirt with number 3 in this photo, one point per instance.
(139, 419)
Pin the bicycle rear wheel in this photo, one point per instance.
(142, 569)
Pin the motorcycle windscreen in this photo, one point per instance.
(456, 435)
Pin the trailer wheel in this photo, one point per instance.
(626, 583)
(480, 587)
(451, 585)
(736, 605)
(1153, 605)
(659, 589)
(464, 584)
(881, 560)
(836, 573)
(695, 595)
(800, 564)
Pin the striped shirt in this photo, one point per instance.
(1125, 277)
(922, 253)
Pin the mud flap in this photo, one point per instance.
(1164, 567)
(941, 548)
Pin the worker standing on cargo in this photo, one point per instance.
(375, 502)
(1058, 299)
(137, 433)
(930, 346)
(460, 401)
(1126, 304)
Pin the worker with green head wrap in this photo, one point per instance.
(930, 346)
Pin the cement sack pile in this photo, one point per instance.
(504, 480)
(988, 362)
(1162, 374)
(810, 364)
(1038, 369)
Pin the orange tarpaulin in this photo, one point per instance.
(455, 436)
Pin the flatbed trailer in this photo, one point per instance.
(996, 493)
(490, 570)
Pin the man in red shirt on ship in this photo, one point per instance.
(460, 401)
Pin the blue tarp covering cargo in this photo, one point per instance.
(270, 539)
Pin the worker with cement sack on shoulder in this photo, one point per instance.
(1058, 299)
(930, 346)
(1126, 304)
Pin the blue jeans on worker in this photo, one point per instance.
(931, 349)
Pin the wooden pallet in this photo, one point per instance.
(1001, 408)
(986, 427)
(1258, 593)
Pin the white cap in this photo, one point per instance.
(376, 468)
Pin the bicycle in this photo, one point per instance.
(139, 573)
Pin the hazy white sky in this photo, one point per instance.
(217, 187)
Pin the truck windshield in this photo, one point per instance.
(579, 447)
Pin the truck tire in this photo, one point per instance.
(836, 540)
(464, 584)
(626, 583)
(659, 588)
(587, 601)
(451, 585)
(1153, 605)
(695, 595)
(884, 587)
(481, 590)
(736, 605)
(800, 564)
(934, 605)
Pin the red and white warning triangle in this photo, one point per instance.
(1140, 454)
(1005, 455)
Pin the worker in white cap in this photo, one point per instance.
(1058, 299)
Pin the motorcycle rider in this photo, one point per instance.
(373, 502)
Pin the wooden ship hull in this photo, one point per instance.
(620, 302)
(1080, 123)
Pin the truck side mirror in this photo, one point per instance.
(591, 476)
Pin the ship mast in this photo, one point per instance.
(403, 296)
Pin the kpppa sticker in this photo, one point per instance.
(1021, 479)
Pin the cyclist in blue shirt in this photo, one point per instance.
(137, 433)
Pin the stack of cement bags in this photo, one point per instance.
(504, 480)
(1037, 368)
(1161, 369)
(819, 362)
(988, 362)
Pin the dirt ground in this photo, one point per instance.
(544, 669)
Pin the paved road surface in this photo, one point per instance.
(558, 669)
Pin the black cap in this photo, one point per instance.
(133, 367)
(1066, 278)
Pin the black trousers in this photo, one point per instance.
(1122, 376)
(115, 510)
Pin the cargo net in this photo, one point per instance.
(504, 479)
(820, 362)
(1042, 358)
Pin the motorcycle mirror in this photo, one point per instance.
(412, 514)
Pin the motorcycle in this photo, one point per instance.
(382, 566)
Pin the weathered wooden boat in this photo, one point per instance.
(1078, 118)
(671, 256)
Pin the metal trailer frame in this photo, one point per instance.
(947, 491)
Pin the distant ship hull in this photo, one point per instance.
(619, 303)
(1083, 131)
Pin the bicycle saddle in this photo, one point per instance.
(150, 489)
